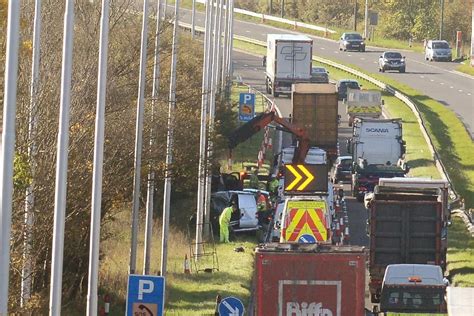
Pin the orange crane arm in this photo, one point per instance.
(253, 126)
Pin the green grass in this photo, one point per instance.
(186, 294)
(460, 255)
(466, 68)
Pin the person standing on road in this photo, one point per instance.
(253, 182)
(224, 221)
(273, 188)
(261, 202)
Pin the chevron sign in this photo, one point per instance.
(301, 178)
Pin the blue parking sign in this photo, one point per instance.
(145, 295)
(246, 106)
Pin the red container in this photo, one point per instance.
(307, 279)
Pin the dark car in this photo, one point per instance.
(342, 169)
(319, 75)
(392, 61)
(351, 41)
(342, 86)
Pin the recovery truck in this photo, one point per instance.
(407, 225)
(309, 279)
(377, 150)
(288, 61)
(363, 103)
(315, 110)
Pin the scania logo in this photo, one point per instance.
(307, 309)
(293, 53)
(376, 130)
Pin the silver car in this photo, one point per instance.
(392, 61)
(438, 50)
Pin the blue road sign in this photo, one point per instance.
(145, 295)
(246, 106)
(307, 239)
(231, 306)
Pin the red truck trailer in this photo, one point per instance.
(309, 279)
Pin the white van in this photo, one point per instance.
(438, 50)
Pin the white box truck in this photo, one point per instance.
(288, 61)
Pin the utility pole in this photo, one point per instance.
(282, 8)
(30, 190)
(472, 36)
(7, 153)
(139, 140)
(225, 47)
(366, 19)
(169, 143)
(61, 165)
(355, 15)
(203, 131)
(193, 15)
(441, 22)
(151, 172)
(230, 67)
(219, 46)
(96, 208)
(270, 9)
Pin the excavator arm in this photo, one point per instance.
(253, 126)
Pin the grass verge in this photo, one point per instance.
(466, 68)
(186, 294)
(460, 255)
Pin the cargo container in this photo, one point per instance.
(288, 60)
(405, 226)
(315, 110)
(309, 279)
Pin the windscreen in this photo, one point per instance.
(441, 45)
(393, 55)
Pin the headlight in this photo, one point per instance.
(362, 43)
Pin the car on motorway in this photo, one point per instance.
(319, 75)
(392, 61)
(342, 86)
(342, 169)
(351, 41)
(438, 50)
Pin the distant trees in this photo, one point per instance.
(400, 19)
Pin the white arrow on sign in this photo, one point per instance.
(233, 312)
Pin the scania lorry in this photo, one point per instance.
(288, 61)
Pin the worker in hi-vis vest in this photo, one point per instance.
(224, 221)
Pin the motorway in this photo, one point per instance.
(249, 67)
(439, 80)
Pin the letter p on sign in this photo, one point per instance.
(247, 98)
(145, 287)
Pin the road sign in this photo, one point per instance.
(301, 178)
(231, 306)
(307, 239)
(246, 106)
(145, 295)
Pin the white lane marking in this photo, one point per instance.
(451, 87)
(323, 48)
(349, 55)
(255, 69)
(375, 62)
(336, 52)
(441, 83)
(468, 93)
(362, 58)
(246, 65)
(247, 31)
(422, 77)
(431, 80)
(460, 90)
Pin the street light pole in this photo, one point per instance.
(441, 22)
(366, 19)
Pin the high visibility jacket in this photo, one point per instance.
(253, 182)
(224, 219)
(273, 186)
(262, 203)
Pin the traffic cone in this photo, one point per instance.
(346, 236)
(186, 265)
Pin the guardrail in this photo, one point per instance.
(293, 23)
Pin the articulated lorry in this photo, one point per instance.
(315, 111)
(309, 279)
(377, 150)
(288, 61)
(407, 225)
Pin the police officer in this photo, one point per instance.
(224, 221)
